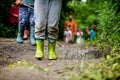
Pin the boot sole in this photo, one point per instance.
(39, 58)
(52, 59)
(19, 42)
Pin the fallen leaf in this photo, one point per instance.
(50, 64)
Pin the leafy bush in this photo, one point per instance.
(4, 14)
(108, 32)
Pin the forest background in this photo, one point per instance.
(104, 13)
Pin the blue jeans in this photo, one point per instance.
(26, 16)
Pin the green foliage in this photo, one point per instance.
(5, 31)
(106, 14)
(107, 69)
(4, 15)
(28, 65)
(106, 18)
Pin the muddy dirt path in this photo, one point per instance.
(17, 61)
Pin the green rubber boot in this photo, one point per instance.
(40, 49)
(32, 36)
(20, 35)
(51, 51)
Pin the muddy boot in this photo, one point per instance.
(20, 34)
(32, 36)
(40, 49)
(51, 50)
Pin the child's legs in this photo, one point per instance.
(23, 16)
(13, 29)
(23, 20)
(78, 40)
(31, 17)
(66, 40)
(40, 15)
(53, 18)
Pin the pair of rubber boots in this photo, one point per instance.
(40, 50)
(32, 35)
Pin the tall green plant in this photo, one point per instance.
(106, 19)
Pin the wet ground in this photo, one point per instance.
(17, 61)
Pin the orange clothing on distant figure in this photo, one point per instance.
(73, 26)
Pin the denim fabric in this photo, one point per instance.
(28, 2)
(26, 16)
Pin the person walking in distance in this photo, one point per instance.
(91, 32)
(72, 23)
(79, 35)
(67, 35)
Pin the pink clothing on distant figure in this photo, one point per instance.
(68, 36)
